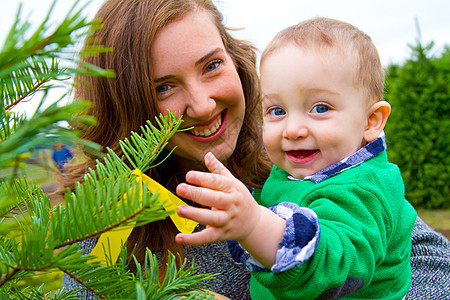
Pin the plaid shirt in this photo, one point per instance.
(302, 232)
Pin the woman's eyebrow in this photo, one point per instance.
(198, 62)
(208, 55)
(160, 79)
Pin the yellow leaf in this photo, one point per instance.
(109, 242)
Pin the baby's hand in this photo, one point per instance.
(233, 214)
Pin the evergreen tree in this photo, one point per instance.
(110, 197)
(419, 125)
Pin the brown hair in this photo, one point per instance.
(319, 33)
(124, 103)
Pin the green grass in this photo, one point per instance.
(38, 168)
(438, 218)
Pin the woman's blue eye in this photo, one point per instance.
(162, 88)
(212, 66)
(320, 109)
(277, 111)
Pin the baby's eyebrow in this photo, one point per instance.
(267, 97)
(320, 90)
(267, 100)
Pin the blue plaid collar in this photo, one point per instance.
(367, 152)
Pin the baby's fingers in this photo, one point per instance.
(220, 179)
(215, 166)
(216, 218)
(205, 236)
(203, 196)
(207, 180)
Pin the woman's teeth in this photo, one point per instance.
(210, 131)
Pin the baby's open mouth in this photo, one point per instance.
(301, 153)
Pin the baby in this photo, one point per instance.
(331, 220)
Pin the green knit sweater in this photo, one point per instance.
(365, 238)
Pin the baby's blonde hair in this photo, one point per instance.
(323, 33)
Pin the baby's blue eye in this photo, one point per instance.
(277, 111)
(320, 109)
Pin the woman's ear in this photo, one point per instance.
(378, 115)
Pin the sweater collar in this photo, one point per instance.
(367, 152)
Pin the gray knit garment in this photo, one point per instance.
(430, 262)
(232, 282)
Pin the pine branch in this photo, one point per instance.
(110, 196)
(29, 64)
(23, 61)
(32, 90)
(29, 76)
(179, 282)
(142, 150)
(113, 280)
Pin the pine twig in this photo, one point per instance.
(35, 88)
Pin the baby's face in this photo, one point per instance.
(314, 115)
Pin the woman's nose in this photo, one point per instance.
(200, 103)
(295, 129)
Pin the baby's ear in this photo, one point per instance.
(378, 115)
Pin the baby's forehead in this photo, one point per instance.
(341, 49)
(328, 58)
(345, 51)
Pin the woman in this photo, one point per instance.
(178, 55)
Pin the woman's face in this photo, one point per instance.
(195, 76)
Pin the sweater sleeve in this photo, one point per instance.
(300, 240)
(430, 262)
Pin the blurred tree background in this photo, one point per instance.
(418, 128)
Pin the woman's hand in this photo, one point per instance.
(234, 214)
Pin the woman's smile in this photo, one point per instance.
(206, 130)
